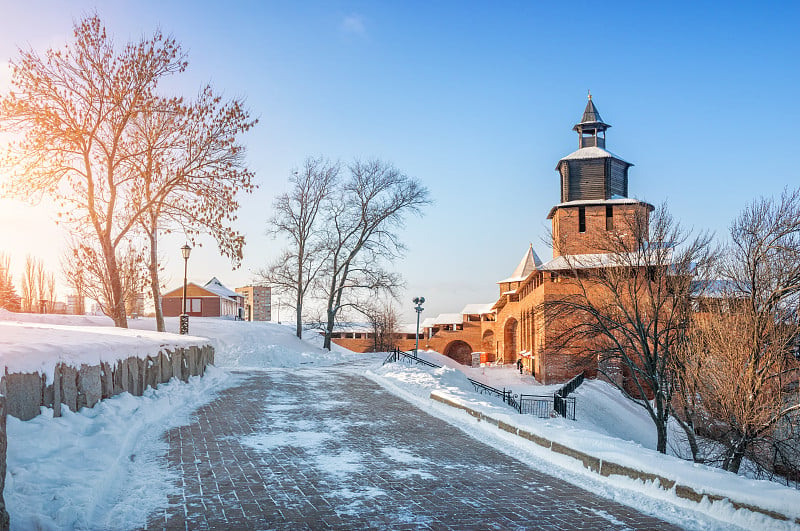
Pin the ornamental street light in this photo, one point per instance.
(418, 301)
(185, 251)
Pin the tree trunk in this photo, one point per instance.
(661, 429)
(734, 456)
(155, 286)
(117, 300)
(299, 300)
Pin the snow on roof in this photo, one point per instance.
(477, 309)
(408, 328)
(529, 263)
(217, 287)
(588, 261)
(449, 318)
(592, 152)
(428, 322)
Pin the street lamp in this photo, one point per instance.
(418, 301)
(185, 251)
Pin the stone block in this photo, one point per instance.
(590, 462)
(90, 389)
(24, 394)
(106, 380)
(152, 372)
(69, 387)
(119, 377)
(165, 361)
(57, 391)
(541, 441)
(506, 427)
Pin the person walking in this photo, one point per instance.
(519, 365)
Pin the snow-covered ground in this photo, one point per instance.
(103, 467)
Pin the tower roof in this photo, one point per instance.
(529, 263)
(591, 118)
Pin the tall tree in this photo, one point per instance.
(630, 306)
(189, 168)
(296, 217)
(747, 340)
(361, 223)
(30, 294)
(73, 108)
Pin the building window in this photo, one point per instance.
(581, 219)
(609, 217)
(194, 305)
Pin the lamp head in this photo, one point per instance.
(185, 250)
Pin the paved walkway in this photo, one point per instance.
(323, 448)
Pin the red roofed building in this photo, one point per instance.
(211, 300)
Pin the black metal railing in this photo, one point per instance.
(570, 386)
(505, 394)
(407, 357)
(564, 406)
(537, 405)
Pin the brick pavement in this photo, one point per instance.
(324, 448)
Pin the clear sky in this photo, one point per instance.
(477, 100)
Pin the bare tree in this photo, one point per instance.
(747, 340)
(361, 223)
(382, 318)
(74, 108)
(189, 169)
(629, 307)
(296, 217)
(30, 295)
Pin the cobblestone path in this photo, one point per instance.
(328, 449)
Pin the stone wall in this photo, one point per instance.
(23, 394)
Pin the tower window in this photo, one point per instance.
(609, 217)
(581, 219)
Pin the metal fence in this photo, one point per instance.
(408, 357)
(538, 405)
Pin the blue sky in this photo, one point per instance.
(477, 100)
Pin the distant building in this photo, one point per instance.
(76, 305)
(211, 300)
(257, 302)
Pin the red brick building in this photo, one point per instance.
(211, 300)
(594, 199)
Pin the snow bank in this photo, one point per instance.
(609, 428)
(100, 468)
(29, 347)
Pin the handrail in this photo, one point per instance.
(399, 355)
(570, 386)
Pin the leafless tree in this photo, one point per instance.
(382, 318)
(297, 218)
(747, 339)
(30, 294)
(629, 306)
(73, 108)
(361, 223)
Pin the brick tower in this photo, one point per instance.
(594, 189)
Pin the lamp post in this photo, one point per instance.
(418, 301)
(185, 251)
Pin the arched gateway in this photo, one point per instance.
(459, 351)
